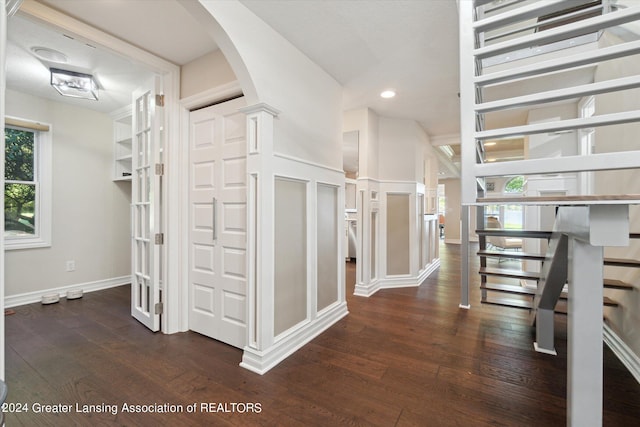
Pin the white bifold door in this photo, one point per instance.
(217, 222)
(146, 205)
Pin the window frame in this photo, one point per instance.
(43, 179)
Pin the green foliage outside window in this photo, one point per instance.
(20, 185)
(515, 185)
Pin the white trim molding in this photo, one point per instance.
(397, 282)
(628, 358)
(98, 285)
(262, 361)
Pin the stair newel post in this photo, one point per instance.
(589, 228)
(464, 257)
(482, 243)
(584, 341)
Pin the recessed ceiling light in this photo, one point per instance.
(389, 93)
(49, 54)
(489, 144)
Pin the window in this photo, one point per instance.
(586, 108)
(514, 185)
(27, 185)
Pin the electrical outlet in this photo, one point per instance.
(71, 265)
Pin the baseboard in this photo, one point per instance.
(261, 362)
(368, 290)
(399, 282)
(435, 264)
(622, 351)
(36, 296)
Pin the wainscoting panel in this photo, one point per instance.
(398, 234)
(290, 287)
(327, 232)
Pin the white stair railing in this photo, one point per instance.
(500, 73)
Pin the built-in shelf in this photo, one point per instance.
(122, 139)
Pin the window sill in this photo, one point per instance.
(12, 245)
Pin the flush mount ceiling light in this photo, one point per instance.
(73, 84)
(389, 93)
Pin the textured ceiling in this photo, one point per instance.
(371, 45)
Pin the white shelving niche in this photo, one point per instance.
(122, 137)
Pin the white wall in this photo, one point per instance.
(310, 127)
(295, 113)
(393, 156)
(365, 122)
(547, 145)
(625, 319)
(90, 211)
(402, 149)
(207, 72)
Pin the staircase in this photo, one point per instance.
(519, 296)
(522, 57)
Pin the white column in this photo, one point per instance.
(584, 376)
(589, 228)
(3, 50)
(464, 258)
(467, 142)
(260, 233)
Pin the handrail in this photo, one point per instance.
(570, 124)
(566, 62)
(533, 10)
(574, 92)
(574, 29)
(559, 18)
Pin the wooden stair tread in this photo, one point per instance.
(507, 302)
(561, 306)
(622, 262)
(510, 289)
(502, 272)
(534, 234)
(617, 284)
(608, 283)
(511, 254)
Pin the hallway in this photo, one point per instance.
(403, 357)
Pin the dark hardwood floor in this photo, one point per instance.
(407, 357)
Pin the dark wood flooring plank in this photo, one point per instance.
(405, 357)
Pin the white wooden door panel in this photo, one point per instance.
(217, 277)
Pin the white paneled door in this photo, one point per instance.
(146, 182)
(217, 222)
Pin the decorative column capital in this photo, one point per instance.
(260, 108)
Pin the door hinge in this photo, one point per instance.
(160, 100)
(160, 169)
(159, 238)
(159, 308)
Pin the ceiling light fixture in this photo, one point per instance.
(389, 93)
(489, 144)
(73, 84)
